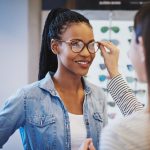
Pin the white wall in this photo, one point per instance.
(13, 54)
(20, 32)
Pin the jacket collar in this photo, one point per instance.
(48, 84)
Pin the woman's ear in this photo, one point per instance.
(54, 46)
(141, 49)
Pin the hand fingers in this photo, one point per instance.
(87, 143)
(91, 146)
(109, 45)
(102, 50)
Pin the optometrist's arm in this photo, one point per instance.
(117, 86)
(11, 116)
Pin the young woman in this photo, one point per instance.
(62, 109)
(134, 132)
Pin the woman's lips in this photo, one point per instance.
(83, 64)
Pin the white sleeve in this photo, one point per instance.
(110, 140)
(113, 137)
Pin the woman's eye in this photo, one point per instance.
(75, 43)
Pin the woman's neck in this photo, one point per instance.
(67, 81)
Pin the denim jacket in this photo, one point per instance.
(40, 114)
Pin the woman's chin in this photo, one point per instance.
(84, 74)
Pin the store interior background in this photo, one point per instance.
(21, 23)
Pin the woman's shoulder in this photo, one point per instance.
(30, 86)
(30, 90)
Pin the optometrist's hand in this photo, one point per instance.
(111, 57)
(87, 145)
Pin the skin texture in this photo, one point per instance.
(67, 59)
(72, 66)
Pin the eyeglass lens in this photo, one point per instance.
(78, 46)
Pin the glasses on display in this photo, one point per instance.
(78, 45)
(129, 40)
(102, 66)
(130, 28)
(115, 29)
(105, 89)
(114, 41)
(140, 92)
(103, 77)
(130, 67)
(111, 104)
(131, 79)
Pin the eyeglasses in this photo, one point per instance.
(131, 79)
(105, 89)
(130, 28)
(130, 67)
(111, 103)
(115, 29)
(78, 45)
(103, 77)
(129, 40)
(102, 66)
(114, 41)
(140, 92)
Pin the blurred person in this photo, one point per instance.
(134, 132)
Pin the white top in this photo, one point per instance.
(78, 130)
(132, 133)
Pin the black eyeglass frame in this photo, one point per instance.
(84, 45)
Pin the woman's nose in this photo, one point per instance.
(85, 52)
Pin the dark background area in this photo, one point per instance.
(94, 4)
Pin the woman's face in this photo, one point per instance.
(75, 63)
(137, 57)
